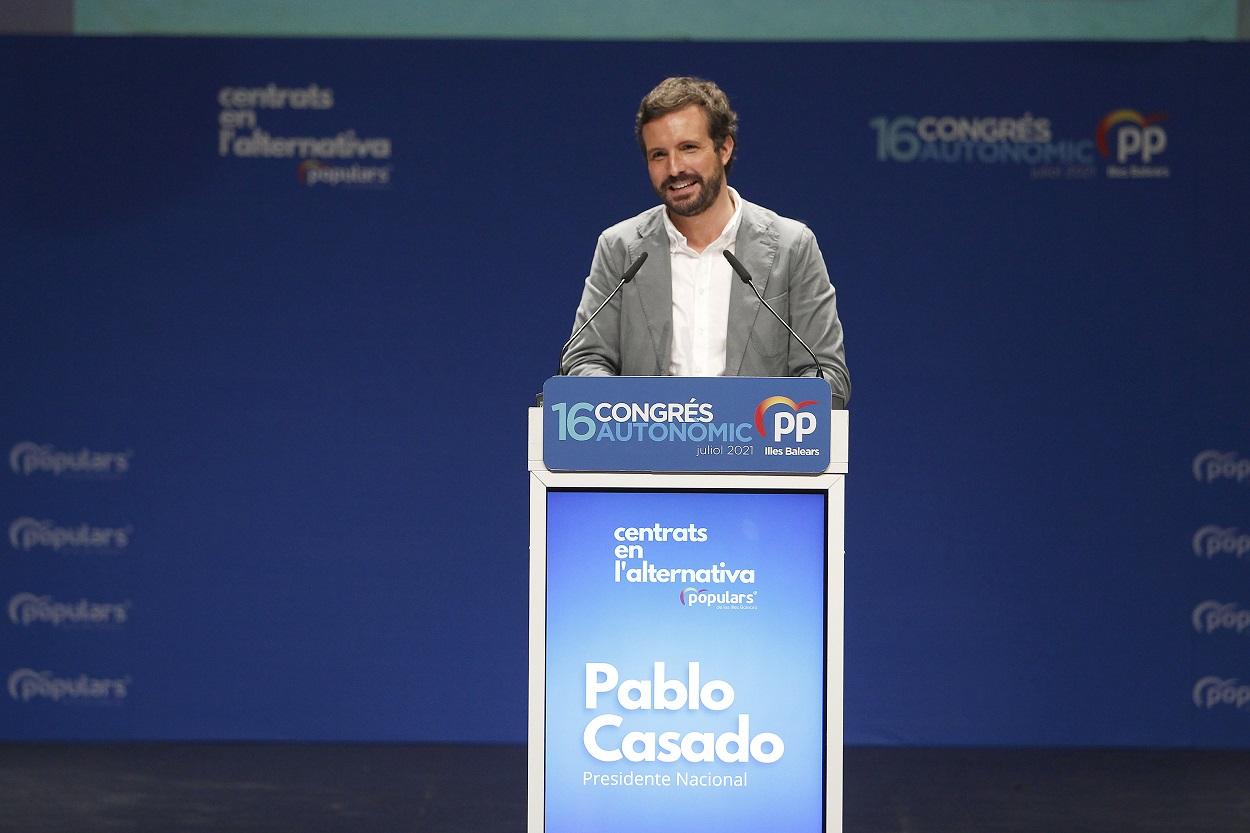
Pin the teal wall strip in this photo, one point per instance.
(799, 20)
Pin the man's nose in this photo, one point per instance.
(674, 165)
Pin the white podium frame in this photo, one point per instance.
(832, 482)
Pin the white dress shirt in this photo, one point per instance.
(701, 282)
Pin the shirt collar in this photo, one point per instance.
(677, 240)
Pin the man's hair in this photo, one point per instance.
(673, 94)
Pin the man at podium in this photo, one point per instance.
(688, 310)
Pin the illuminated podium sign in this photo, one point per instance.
(682, 423)
(685, 628)
(685, 661)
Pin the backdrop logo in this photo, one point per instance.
(1139, 140)
(334, 157)
(1211, 692)
(1211, 616)
(1210, 541)
(1210, 466)
(26, 684)
(26, 609)
(313, 172)
(26, 534)
(1025, 140)
(786, 423)
(28, 458)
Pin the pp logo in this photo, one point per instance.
(686, 596)
(1135, 135)
(786, 423)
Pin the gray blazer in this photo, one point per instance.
(633, 335)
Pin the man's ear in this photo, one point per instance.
(727, 150)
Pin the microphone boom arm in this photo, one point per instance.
(625, 278)
(741, 272)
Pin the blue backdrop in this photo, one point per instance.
(268, 349)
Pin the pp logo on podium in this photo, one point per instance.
(793, 423)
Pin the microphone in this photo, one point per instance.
(626, 278)
(746, 278)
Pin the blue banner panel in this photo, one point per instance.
(686, 424)
(274, 310)
(685, 661)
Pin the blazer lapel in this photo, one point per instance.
(756, 247)
(654, 284)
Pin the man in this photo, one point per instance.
(686, 313)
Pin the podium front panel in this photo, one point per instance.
(685, 660)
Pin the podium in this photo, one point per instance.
(686, 606)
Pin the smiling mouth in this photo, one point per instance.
(681, 186)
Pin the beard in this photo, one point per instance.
(709, 190)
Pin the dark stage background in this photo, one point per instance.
(264, 398)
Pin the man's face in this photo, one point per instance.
(686, 170)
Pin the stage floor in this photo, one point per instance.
(310, 788)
